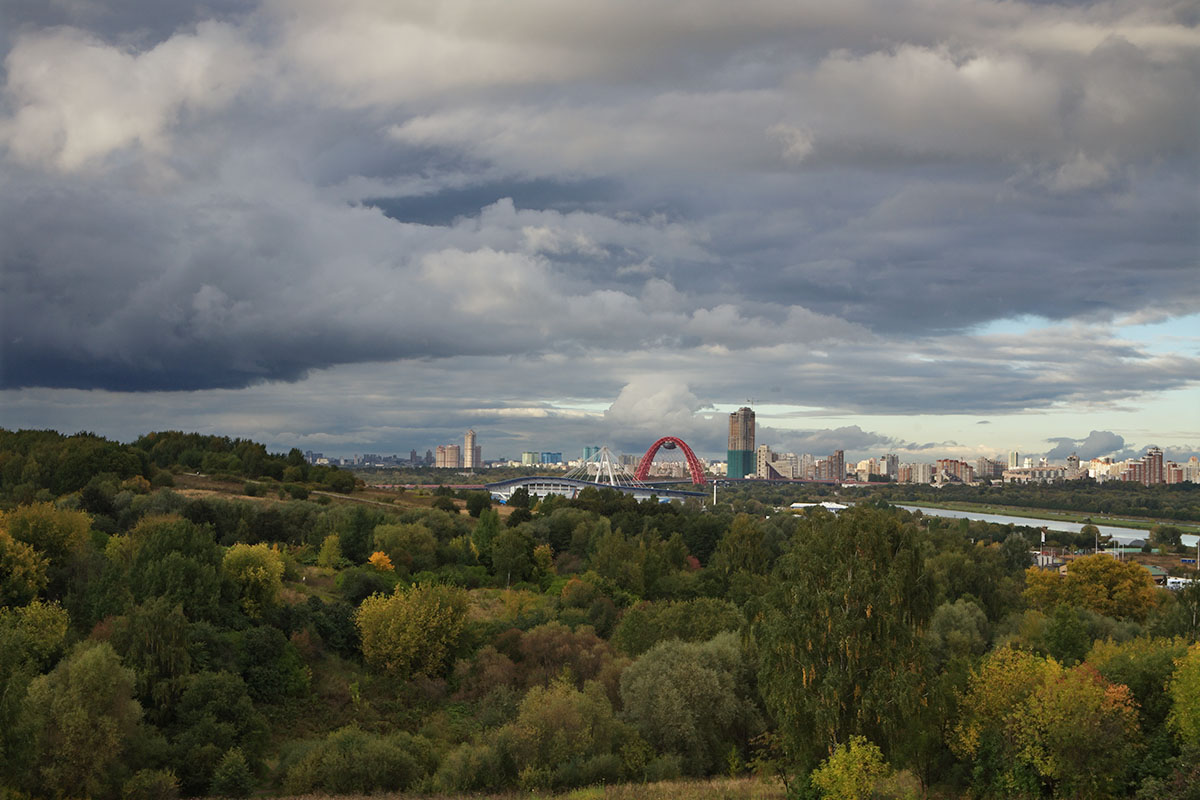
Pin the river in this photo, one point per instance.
(1124, 535)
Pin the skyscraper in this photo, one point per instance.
(471, 451)
(741, 444)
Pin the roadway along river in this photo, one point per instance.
(1119, 534)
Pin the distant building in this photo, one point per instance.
(590, 451)
(741, 457)
(449, 456)
(1153, 462)
(530, 458)
(551, 458)
(472, 453)
(1014, 459)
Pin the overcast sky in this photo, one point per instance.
(937, 227)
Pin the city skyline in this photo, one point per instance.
(947, 230)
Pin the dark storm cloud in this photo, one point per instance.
(1095, 445)
(826, 199)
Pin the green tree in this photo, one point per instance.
(512, 555)
(1185, 697)
(477, 502)
(410, 545)
(214, 713)
(688, 700)
(257, 571)
(83, 716)
(176, 559)
(413, 631)
(838, 632)
(232, 776)
(330, 555)
(486, 530)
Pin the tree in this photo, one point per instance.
(688, 700)
(838, 632)
(22, 571)
(83, 716)
(380, 561)
(232, 776)
(173, 558)
(1185, 697)
(59, 536)
(512, 555)
(851, 771)
(1118, 589)
(564, 737)
(477, 502)
(1028, 721)
(410, 545)
(257, 571)
(413, 631)
(485, 531)
(330, 555)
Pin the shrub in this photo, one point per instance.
(351, 760)
(151, 784)
(232, 777)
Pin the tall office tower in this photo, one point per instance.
(1154, 466)
(741, 444)
(1014, 459)
(590, 451)
(471, 451)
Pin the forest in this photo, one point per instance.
(279, 632)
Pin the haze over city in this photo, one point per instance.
(930, 229)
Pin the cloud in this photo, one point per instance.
(606, 200)
(1095, 445)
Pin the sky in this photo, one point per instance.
(927, 227)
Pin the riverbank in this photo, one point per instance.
(1077, 517)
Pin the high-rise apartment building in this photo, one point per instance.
(449, 456)
(590, 451)
(741, 456)
(472, 453)
(1014, 459)
(1153, 461)
(837, 465)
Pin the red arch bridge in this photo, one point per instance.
(670, 443)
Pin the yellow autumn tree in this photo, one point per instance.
(1098, 582)
(380, 561)
(412, 631)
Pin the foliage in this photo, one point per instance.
(688, 700)
(151, 784)
(698, 620)
(330, 555)
(851, 771)
(380, 561)
(351, 760)
(82, 716)
(22, 570)
(1099, 583)
(410, 545)
(1028, 720)
(838, 632)
(413, 631)
(257, 571)
(1185, 697)
(565, 737)
(232, 776)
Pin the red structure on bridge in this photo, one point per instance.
(670, 443)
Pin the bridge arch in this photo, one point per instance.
(694, 466)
